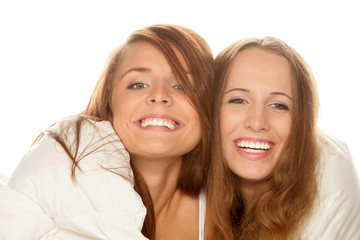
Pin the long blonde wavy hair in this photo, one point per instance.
(286, 199)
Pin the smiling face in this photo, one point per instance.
(256, 113)
(151, 114)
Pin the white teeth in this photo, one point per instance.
(250, 150)
(262, 145)
(253, 147)
(158, 122)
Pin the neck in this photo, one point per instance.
(161, 177)
(249, 190)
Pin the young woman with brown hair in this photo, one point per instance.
(273, 174)
(153, 98)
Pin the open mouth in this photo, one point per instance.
(254, 146)
(159, 122)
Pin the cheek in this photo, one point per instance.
(282, 127)
(196, 129)
(230, 122)
(285, 128)
(117, 110)
(121, 108)
(123, 103)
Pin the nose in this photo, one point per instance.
(160, 94)
(257, 119)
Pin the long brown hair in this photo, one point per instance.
(198, 57)
(286, 199)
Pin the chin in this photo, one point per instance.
(254, 176)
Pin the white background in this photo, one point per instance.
(52, 52)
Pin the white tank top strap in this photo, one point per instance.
(202, 214)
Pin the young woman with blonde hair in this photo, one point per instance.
(273, 174)
(134, 162)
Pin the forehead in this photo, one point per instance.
(139, 52)
(145, 51)
(258, 66)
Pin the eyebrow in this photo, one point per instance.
(142, 70)
(237, 89)
(245, 90)
(138, 69)
(282, 94)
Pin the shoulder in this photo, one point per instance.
(85, 137)
(337, 210)
(337, 169)
(103, 192)
(46, 167)
(82, 138)
(332, 145)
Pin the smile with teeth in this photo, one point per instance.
(158, 122)
(253, 147)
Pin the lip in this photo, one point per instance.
(254, 155)
(178, 124)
